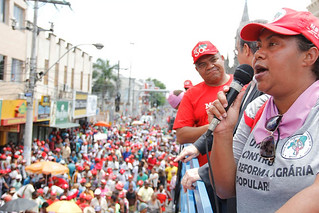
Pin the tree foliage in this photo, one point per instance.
(156, 98)
(104, 77)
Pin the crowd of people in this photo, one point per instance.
(266, 142)
(262, 146)
(129, 169)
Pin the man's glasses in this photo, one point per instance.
(268, 146)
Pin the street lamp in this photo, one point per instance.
(129, 83)
(97, 45)
(30, 98)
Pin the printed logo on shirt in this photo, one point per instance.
(297, 147)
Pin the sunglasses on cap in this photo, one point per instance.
(268, 146)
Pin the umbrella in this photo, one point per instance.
(135, 123)
(145, 131)
(64, 206)
(17, 205)
(47, 167)
(102, 123)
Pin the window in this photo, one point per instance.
(81, 85)
(2, 10)
(18, 16)
(56, 77)
(46, 77)
(2, 59)
(16, 70)
(65, 74)
(89, 78)
(72, 79)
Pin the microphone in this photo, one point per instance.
(243, 75)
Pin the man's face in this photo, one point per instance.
(211, 69)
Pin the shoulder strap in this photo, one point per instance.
(251, 122)
(24, 189)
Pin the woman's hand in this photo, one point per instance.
(217, 109)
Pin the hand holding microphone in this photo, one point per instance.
(242, 76)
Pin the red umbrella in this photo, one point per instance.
(102, 123)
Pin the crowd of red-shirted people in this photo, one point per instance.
(122, 168)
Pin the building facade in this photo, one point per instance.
(63, 73)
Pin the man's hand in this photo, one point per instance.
(190, 177)
(187, 154)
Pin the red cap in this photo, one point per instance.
(140, 182)
(286, 22)
(65, 186)
(122, 171)
(93, 171)
(88, 197)
(203, 48)
(103, 181)
(122, 194)
(63, 197)
(119, 186)
(98, 166)
(188, 84)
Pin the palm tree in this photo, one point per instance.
(104, 79)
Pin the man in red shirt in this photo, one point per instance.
(151, 161)
(192, 120)
(52, 198)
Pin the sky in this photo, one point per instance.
(154, 38)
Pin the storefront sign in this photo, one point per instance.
(45, 100)
(79, 104)
(12, 128)
(14, 112)
(43, 112)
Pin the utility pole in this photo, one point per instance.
(129, 83)
(32, 81)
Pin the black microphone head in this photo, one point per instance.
(244, 74)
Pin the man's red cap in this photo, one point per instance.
(188, 84)
(286, 22)
(203, 48)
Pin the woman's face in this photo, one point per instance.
(278, 64)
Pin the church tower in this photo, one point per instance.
(244, 19)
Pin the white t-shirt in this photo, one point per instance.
(26, 191)
(154, 179)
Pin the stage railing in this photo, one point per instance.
(196, 200)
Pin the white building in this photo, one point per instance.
(69, 76)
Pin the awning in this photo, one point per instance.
(65, 125)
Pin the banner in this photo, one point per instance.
(91, 105)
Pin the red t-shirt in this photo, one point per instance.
(192, 109)
(151, 162)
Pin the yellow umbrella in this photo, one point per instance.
(64, 206)
(47, 167)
